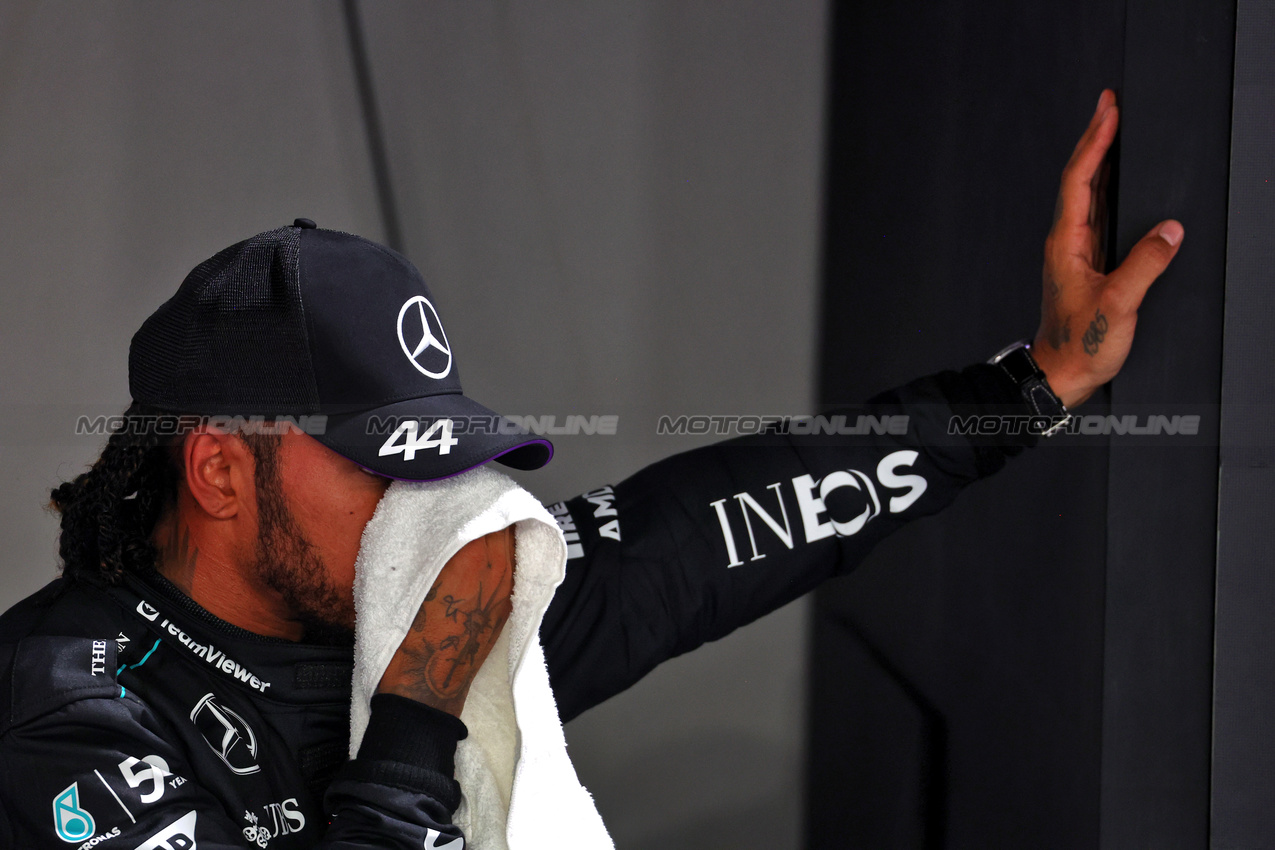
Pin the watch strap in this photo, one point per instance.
(1016, 361)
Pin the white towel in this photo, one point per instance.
(519, 788)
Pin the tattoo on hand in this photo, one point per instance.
(1059, 326)
(1096, 334)
(1059, 334)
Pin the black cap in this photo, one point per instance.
(302, 321)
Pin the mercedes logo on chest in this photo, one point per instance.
(421, 334)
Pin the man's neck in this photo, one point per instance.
(219, 584)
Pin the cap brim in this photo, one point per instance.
(425, 439)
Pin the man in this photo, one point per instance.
(186, 682)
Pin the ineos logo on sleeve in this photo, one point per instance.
(426, 348)
(811, 495)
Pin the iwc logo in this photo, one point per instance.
(420, 333)
(228, 734)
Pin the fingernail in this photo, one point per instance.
(1171, 232)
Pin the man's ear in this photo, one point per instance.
(219, 471)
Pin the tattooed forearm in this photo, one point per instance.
(455, 628)
(461, 651)
(453, 605)
(1096, 334)
(452, 640)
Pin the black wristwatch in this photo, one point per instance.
(1021, 367)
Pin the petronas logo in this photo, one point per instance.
(72, 823)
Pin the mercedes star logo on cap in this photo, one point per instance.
(415, 325)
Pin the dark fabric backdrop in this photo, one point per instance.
(1244, 676)
(1032, 668)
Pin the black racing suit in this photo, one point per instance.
(133, 718)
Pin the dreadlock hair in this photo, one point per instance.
(109, 512)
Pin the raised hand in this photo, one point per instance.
(1087, 318)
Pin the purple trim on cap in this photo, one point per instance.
(545, 443)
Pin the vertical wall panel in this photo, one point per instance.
(957, 675)
(1162, 502)
(1065, 654)
(1244, 672)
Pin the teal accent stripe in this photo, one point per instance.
(140, 663)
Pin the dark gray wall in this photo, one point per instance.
(957, 674)
(1243, 757)
(616, 205)
(1034, 667)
